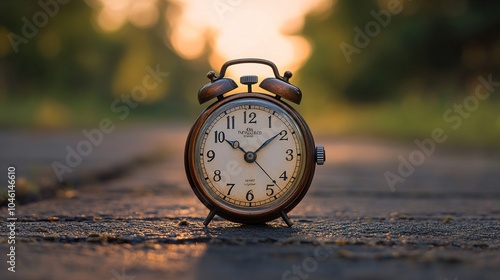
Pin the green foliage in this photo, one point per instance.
(425, 47)
(71, 61)
(432, 51)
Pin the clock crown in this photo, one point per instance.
(320, 155)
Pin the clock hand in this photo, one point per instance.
(267, 142)
(236, 145)
(274, 181)
(248, 157)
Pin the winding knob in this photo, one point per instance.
(249, 80)
(320, 155)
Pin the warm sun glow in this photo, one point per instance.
(238, 28)
(223, 29)
(114, 13)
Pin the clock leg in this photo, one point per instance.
(286, 219)
(209, 217)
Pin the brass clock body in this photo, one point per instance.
(250, 157)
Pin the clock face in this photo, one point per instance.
(249, 155)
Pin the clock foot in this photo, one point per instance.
(286, 219)
(210, 216)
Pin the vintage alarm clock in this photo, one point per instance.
(250, 157)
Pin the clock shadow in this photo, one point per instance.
(271, 232)
(234, 248)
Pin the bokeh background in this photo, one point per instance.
(63, 64)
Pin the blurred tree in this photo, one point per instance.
(428, 47)
(69, 57)
(65, 54)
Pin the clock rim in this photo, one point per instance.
(269, 214)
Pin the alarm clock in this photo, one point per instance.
(250, 157)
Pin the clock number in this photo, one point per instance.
(289, 156)
(283, 176)
(251, 116)
(269, 190)
(217, 176)
(220, 136)
(270, 121)
(230, 122)
(283, 135)
(210, 155)
(249, 196)
(230, 188)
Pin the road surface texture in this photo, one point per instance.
(144, 222)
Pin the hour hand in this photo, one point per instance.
(235, 145)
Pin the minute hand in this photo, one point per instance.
(267, 142)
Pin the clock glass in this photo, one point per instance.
(249, 156)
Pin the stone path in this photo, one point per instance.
(443, 222)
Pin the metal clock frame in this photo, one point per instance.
(237, 216)
(281, 88)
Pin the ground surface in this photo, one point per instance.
(144, 222)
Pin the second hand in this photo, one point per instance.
(268, 175)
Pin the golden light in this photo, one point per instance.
(113, 14)
(143, 13)
(238, 28)
(223, 29)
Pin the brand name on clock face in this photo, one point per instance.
(249, 132)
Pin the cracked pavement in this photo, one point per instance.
(443, 222)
